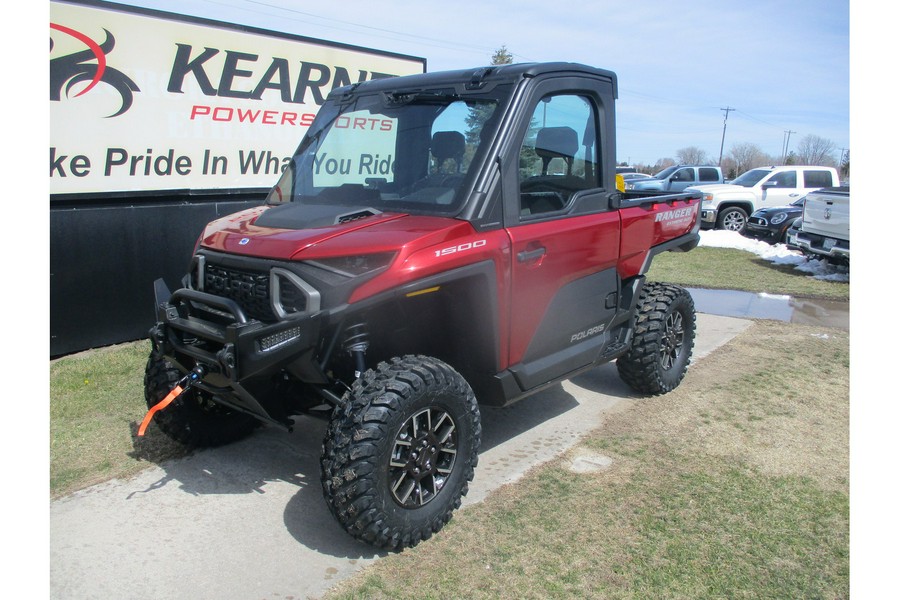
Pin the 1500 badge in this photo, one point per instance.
(460, 248)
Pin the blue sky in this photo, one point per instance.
(784, 66)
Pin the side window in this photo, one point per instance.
(708, 174)
(785, 179)
(683, 175)
(559, 154)
(817, 179)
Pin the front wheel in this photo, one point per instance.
(664, 329)
(194, 419)
(400, 451)
(733, 219)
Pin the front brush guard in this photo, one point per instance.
(195, 327)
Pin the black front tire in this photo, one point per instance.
(400, 451)
(194, 419)
(733, 219)
(664, 330)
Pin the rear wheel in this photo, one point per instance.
(733, 219)
(194, 419)
(663, 340)
(400, 451)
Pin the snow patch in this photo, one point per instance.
(775, 253)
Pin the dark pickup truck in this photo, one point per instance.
(437, 242)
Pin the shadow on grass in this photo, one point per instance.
(155, 446)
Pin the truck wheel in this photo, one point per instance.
(400, 451)
(193, 419)
(663, 340)
(733, 219)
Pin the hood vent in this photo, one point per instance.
(356, 215)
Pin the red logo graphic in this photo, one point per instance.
(79, 67)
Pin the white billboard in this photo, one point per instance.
(143, 101)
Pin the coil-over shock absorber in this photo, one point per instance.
(356, 342)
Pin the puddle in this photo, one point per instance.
(751, 305)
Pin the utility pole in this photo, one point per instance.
(787, 143)
(727, 110)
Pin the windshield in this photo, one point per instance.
(665, 172)
(751, 178)
(407, 152)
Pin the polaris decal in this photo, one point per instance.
(587, 333)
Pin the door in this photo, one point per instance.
(681, 179)
(780, 189)
(564, 239)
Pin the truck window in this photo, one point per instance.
(559, 154)
(683, 175)
(785, 179)
(708, 174)
(817, 179)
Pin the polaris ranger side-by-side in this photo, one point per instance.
(438, 241)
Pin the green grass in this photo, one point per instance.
(727, 268)
(96, 403)
(711, 494)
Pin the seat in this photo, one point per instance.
(556, 142)
(547, 193)
(439, 186)
(446, 145)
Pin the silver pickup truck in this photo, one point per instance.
(677, 178)
(825, 228)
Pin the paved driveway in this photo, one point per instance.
(248, 520)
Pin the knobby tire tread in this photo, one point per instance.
(640, 367)
(360, 431)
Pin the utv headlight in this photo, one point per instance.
(779, 218)
(354, 266)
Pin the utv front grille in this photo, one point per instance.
(267, 296)
(250, 290)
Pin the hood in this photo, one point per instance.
(318, 231)
(645, 182)
(717, 188)
(777, 209)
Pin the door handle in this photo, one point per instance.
(530, 255)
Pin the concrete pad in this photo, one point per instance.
(248, 520)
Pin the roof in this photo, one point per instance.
(478, 76)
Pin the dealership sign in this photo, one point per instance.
(143, 101)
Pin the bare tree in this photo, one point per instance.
(663, 163)
(815, 150)
(747, 156)
(692, 155)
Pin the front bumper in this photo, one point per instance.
(214, 331)
(821, 245)
(708, 217)
(765, 233)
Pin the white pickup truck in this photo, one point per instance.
(728, 205)
(825, 229)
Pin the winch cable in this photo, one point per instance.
(183, 385)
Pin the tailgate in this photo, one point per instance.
(827, 213)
